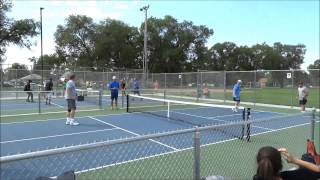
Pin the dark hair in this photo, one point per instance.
(269, 163)
(72, 76)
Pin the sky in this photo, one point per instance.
(242, 22)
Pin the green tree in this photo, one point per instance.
(75, 41)
(314, 70)
(50, 62)
(16, 71)
(174, 46)
(219, 56)
(315, 65)
(117, 45)
(13, 31)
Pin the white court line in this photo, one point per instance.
(47, 113)
(105, 115)
(57, 105)
(130, 132)
(213, 117)
(60, 135)
(180, 150)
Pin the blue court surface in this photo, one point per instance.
(20, 106)
(22, 137)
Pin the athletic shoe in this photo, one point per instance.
(303, 111)
(74, 123)
(234, 110)
(68, 122)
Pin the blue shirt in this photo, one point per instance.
(115, 85)
(236, 91)
(135, 84)
(72, 87)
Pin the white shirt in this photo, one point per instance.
(302, 92)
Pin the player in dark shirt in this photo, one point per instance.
(123, 86)
(48, 89)
(27, 88)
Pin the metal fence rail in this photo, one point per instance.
(182, 154)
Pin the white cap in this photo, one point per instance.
(239, 81)
(114, 77)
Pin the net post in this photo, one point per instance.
(243, 126)
(39, 102)
(127, 102)
(168, 113)
(122, 97)
(164, 96)
(248, 124)
(100, 98)
(313, 122)
(197, 149)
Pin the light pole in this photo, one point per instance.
(145, 55)
(41, 56)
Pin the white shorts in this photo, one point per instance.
(49, 95)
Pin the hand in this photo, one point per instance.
(289, 158)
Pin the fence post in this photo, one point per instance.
(1, 77)
(224, 86)
(165, 80)
(197, 149)
(255, 89)
(313, 122)
(292, 87)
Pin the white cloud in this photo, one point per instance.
(122, 5)
(94, 13)
(136, 2)
(16, 54)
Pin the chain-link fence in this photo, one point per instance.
(182, 154)
(18, 103)
(259, 87)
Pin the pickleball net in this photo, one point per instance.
(189, 113)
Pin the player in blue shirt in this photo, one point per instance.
(236, 95)
(136, 87)
(114, 88)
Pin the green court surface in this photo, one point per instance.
(234, 158)
(276, 96)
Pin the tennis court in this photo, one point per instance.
(163, 155)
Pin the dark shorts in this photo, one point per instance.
(71, 104)
(136, 92)
(303, 102)
(114, 96)
(236, 99)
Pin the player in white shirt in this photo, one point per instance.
(302, 96)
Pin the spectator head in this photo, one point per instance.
(114, 78)
(239, 81)
(29, 81)
(269, 163)
(72, 76)
(300, 83)
(50, 79)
